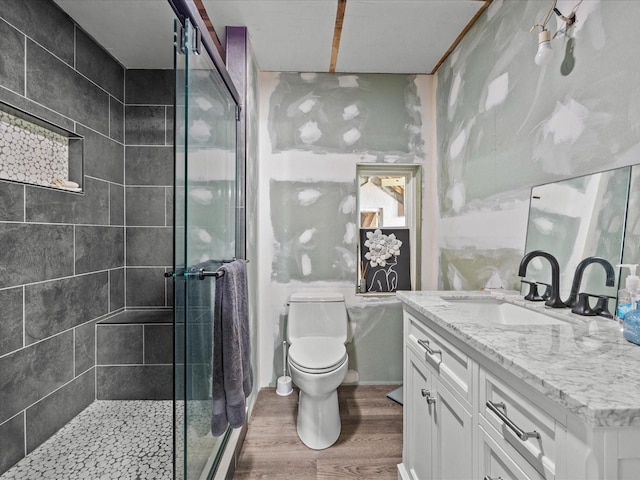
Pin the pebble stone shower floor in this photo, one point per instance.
(109, 440)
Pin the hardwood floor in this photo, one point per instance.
(370, 443)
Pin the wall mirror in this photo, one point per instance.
(631, 247)
(388, 218)
(578, 218)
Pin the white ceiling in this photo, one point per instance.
(138, 33)
(380, 36)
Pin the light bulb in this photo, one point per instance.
(544, 53)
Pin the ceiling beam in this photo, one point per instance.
(462, 34)
(207, 21)
(337, 32)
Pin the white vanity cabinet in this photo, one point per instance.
(467, 416)
(438, 431)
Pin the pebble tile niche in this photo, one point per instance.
(35, 152)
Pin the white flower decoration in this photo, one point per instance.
(381, 247)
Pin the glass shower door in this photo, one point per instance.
(205, 230)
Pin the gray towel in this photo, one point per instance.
(232, 373)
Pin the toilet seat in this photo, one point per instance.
(317, 354)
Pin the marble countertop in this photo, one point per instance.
(583, 364)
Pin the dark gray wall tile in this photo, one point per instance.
(146, 206)
(94, 62)
(33, 108)
(116, 120)
(76, 97)
(119, 344)
(145, 382)
(11, 58)
(149, 246)
(32, 253)
(50, 414)
(55, 306)
(116, 289)
(170, 123)
(144, 125)
(116, 204)
(169, 293)
(11, 442)
(150, 87)
(85, 347)
(99, 248)
(149, 165)
(145, 287)
(169, 214)
(11, 322)
(103, 157)
(11, 202)
(158, 344)
(33, 372)
(54, 206)
(44, 22)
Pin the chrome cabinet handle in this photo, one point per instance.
(487, 477)
(500, 409)
(427, 395)
(425, 344)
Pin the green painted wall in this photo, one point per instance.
(314, 129)
(504, 125)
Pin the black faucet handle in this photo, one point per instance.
(547, 291)
(602, 307)
(533, 294)
(582, 306)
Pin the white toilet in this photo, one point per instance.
(318, 362)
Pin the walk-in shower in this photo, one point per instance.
(105, 344)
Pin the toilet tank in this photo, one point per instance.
(317, 315)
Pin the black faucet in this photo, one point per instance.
(554, 299)
(577, 277)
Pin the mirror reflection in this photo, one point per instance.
(382, 201)
(631, 252)
(578, 218)
(388, 209)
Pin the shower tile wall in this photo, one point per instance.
(148, 130)
(61, 254)
(134, 357)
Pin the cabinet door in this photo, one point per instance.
(418, 422)
(453, 443)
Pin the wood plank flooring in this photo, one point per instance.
(370, 443)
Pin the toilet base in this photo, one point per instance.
(318, 422)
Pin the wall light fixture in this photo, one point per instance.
(544, 52)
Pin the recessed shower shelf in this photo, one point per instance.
(37, 152)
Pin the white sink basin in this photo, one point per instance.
(491, 310)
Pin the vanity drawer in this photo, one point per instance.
(452, 365)
(512, 418)
(496, 464)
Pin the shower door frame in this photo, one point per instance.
(186, 11)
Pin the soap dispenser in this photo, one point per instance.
(628, 295)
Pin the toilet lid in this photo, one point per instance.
(317, 353)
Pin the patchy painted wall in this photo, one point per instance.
(314, 129)
(504, 125)
(251, 200)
